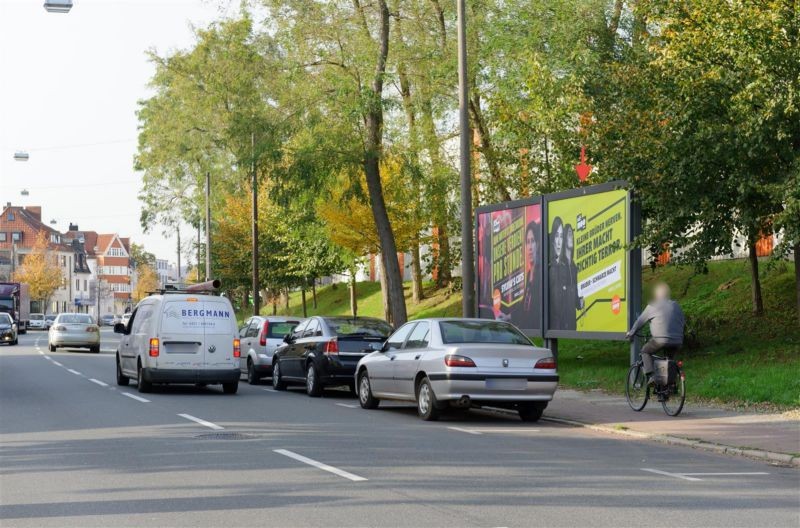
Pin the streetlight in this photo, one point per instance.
(24, 192)
(53, 222)
(58, 6)
(21, 156)
(467, 251)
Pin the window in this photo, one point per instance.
(342, 326)
(85, 285)
(481, 332)
(252, 330)
(16, 236)
(63, 261)
(312, 329)
(3, 237)
(77, 284)
(396, 340)
(298, 331)
(138, 324)
(244, 328)
(419, 336)
(10, 216)
(116, 252)
(279, 330)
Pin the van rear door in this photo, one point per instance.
(182, 336)
(219, 330)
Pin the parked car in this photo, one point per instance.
(107, 320)
(74, 330)
(180, 337)
(48, 321)
(324, 351)
(461, 363)
(8, 329)
(36, 321)
(261, 337)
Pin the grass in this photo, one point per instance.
(730, 356)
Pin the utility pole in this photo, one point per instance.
(467, 250)
(208, 226)
(178, 230)
(197, 271)
(256, 303)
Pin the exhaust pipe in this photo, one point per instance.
(464, 402)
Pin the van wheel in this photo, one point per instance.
(230, 388)
(52, 348)
(313, 386)
(252, 377)
(277, 381)
(122, 379)
(141, 384)
(427, 406)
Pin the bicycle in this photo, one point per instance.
(670, 385)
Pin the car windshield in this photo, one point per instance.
(37, 317)
(5, 319)
(481, 332)
(343, 327)
(278, 330)
(50, 317)
(75, 319)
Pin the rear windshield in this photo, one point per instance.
(481, 332)
(50, 317)
(37, 317)
(343, 327)
(75, 319)
(280, 329)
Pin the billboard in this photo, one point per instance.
(558, 265)
(509, 256)
(587, 262)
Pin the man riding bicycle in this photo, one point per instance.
(666, 327)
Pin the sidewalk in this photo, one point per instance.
(774, 437)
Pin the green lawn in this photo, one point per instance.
(730, 356)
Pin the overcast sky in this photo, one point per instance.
(69, 84)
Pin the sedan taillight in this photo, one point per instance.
(546, 363)
(453, 360)
(60, 328)
(331, 348)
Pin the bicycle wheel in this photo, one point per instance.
(675, 396)
(636, 390)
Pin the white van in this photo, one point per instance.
(180, 337)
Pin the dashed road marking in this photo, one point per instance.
(73, 371)
(98, 382)
(462, 430)
(694, 476)
(135, 397)
(201, 421)
(673, 475)
(48, 358)
(348, 405)
(320, 465)
(57, 363)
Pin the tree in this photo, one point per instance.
(146, 281)
(40, 271)
(141, 257)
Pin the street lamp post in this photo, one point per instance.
(467, 251)
(58, 6)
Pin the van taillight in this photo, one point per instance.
(237, 347)
(264, 331)
(331, 348)
(546, 363)
(153, 347)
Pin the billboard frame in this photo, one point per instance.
(513, 204)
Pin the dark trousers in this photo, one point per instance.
(650, 348)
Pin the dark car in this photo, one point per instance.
(8, 329)
(324, 351)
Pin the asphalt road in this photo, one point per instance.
(76, 450)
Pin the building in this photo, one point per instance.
(163, 269)
(113, 271)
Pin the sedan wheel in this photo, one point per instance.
(426, 401)
(365, 397)
(313, 387)
(277, 382)
(252, 377)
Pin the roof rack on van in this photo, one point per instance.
(211, 286)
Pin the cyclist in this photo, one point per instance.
(666, 327)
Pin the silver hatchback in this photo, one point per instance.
(440, 363)
(74, 330)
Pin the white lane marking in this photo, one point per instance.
(74, 372)
(135, 397)
(201, 421)
(674, 475)
(348, 405)
(725, 474)
(48, 357)
(98, 382)
(57, 363)
(269, 390)
(42, 353)
(462, 430)
(320, 465)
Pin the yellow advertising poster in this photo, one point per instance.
(587, 268)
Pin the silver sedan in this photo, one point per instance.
(463, 363)
(73, 330)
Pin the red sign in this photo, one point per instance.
(583, 169)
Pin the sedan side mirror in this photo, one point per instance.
(287, 338)
(119, 328)
(377, 347)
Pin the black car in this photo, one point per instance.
(8, 330)
(324, 351)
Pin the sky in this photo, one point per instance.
(69, 86)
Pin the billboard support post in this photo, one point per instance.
(634, 274)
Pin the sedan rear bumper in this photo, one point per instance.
(494, 388)
(90, 339)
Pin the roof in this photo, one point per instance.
(31, 216)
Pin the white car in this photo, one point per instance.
(37, 322)
(261, 336)
(74, 330)
(180, 337)
(463, 363)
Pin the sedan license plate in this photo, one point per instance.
(507, 384)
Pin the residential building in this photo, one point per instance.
(163, 269)
(113, 270)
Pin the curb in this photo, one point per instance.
(758, 454)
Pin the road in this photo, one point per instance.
(79, 451)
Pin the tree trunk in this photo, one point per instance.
(245, 299)
(353, 295)
(274, 304)
(314, 292)
(487, 148)
(286, 300)
(416, 274)
(797, 276)
(755, 282)
(303, 300)
(445, 263)
(387, 308)
(374, 141)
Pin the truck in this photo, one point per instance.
(15, 301)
